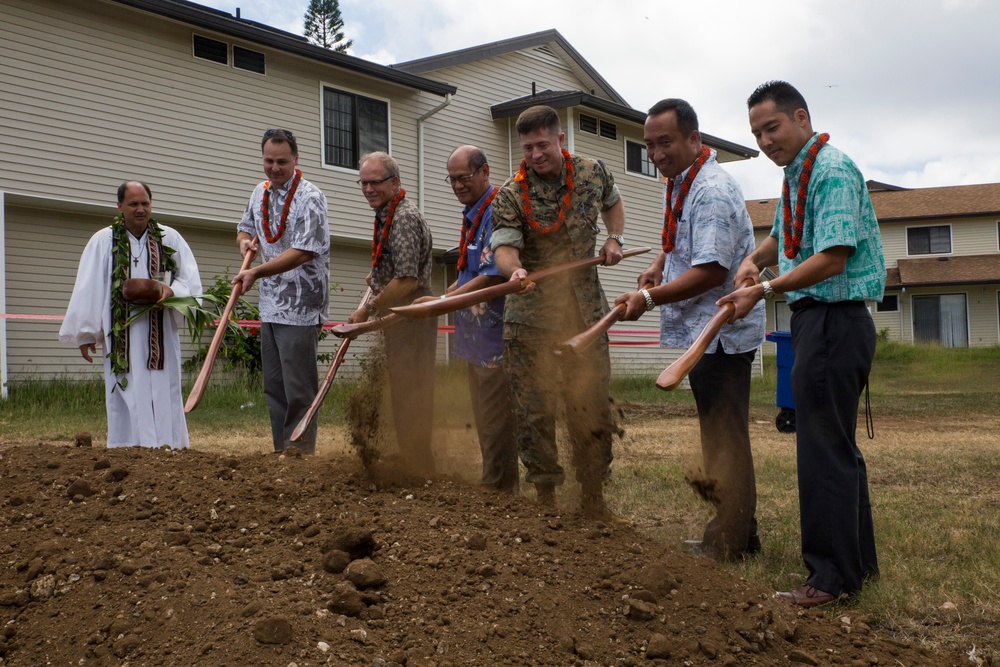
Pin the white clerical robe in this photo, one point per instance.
(150, 410)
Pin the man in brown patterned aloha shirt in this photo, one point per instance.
(401, 272)
(547, 215)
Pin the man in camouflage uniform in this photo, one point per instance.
(401, 273)
(547, 215)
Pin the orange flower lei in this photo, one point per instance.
(469, 232)
(793, 237)
(265, 213)
(671, 216)
(378, 244)
(522, 178)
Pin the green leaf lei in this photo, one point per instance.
(120, 254)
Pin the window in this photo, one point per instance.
(352, 126)
(592, 125)
(941, 318)
(782, 316)
(637, 161)
(211, 49)
(252, 61)
(890, 304)
(218, 52)
(928, 240)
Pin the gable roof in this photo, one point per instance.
(602, 97)
(947, 202)
(218, 21)
(953, 201)
(551, 39)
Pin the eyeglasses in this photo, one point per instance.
(285, 133)
(366, 184)
(464, 180)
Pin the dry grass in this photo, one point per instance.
(935, 489)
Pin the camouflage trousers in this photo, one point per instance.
(539, 380)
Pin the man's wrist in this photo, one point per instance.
(768, 290)
(649, 300)
(618, 238)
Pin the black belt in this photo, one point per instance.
(802, 304)
(809, 302)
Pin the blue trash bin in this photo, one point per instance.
(785, 421)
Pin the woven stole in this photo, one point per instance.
(155, 339)
(155, 362)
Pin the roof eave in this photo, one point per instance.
(220, 22)
(513, 108)
(471, 54)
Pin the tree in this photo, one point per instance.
(324, 25)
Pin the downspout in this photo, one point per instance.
(902, 322)
(570, 134)
(420, 186)
(420, 149)
(510, 150)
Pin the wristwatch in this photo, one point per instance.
(619, 238)
(768, 290)
(649, 300)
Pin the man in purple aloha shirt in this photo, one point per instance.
(479, 328)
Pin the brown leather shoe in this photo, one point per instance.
(807, 596)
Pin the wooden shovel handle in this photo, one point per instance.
(201, 382)
(675, 373)
(449, 304)
(324, 388)
(351, 331)
(585, 339)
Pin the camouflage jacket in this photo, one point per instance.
(594, 191)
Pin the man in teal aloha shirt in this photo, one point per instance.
(547, 215)
(827, 244)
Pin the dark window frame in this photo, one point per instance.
(249, 60)
(350, 120)
(928, 240)
(206, 47)
(889, 304)
(636, 156)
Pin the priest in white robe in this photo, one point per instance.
(142, 373)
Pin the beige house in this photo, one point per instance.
(496, 83)
(178, 95)
(942, 257)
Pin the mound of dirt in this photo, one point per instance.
(160, 557)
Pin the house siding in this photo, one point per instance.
(183, 124)
(969, 236)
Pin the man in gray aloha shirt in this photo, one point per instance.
(707, 233)
(401, 273)
(294, 243)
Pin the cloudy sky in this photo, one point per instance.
(903, 86)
